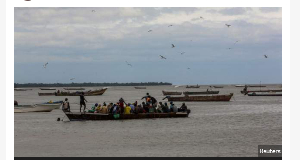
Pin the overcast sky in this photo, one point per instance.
(93, 45)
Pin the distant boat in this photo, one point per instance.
(74, 88)
(218, 86)
(197, 86)
(270, 90)
(42, 107)
(47, 89)
(205, 92)
(47, 94)
(264, 94)
(98, 92)
(165, 93)
(249, 86)
(140, 87)
(201, 98)
(22, 89)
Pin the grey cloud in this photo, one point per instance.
(269, 9)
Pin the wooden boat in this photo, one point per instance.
(205, 92)
(47, 89)
(218, 86)
(264, 94)
(165, 93)
(192, 86)
(73, 116)
(43, 107)
(22, 89)
(87, 93)
(74, 89)
(270, 90)
(140, 87)
(47, 94)
(201, 98)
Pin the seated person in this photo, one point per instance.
(127, 109)
(183, 108)
(66, 106)
(92, 110)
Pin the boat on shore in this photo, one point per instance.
(22, 89)
(140, 87)
(78, 89)
(197, 86)
(165, 93)
(270, 90)
(264, 94)
(87, 93)
(205, 92)
(42, 107)
(77, 116)
(201, 98)
(47, 89)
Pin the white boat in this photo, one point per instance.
(43, 107)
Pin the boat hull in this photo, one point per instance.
(243, 92)
(47, 89)
(266, 94)
(74, 89)
(171, 93)
(206, 92)
(88, 93)
(36, 108)
(46, 94)
(201, 98)
(98, 116)
(140, 87)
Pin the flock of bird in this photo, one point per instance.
(172, 46)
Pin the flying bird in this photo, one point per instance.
(228, 25)
(266, 56)
(162, 57)
(236, 42)
(170, 25)
(229, 48)
(150, 31)
(182, 53)
(201, 17)
(45, 65)
(173, 45)
(188, 68)
(128, 64)
(72, 79)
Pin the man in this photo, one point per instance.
(146, 97)
(183, 108)
(66, 105)
(121, 104)
(82, 102)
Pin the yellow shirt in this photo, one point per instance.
(127, 110)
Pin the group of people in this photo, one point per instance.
(121, 107)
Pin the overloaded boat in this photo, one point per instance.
(140, 87)
(165, 93)
(87, 93)
(205, 92)
(201, 98)
(42, 107)
(77, 89)
(73, 116)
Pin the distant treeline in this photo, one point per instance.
(17, 85)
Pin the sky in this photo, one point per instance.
(124, 45)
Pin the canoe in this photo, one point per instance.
(264, 94)
(74, 89)
(47, 89)
(205, 92)
(165, 93)
(77, 116)
(271, 90)
(87, 93)
(22, 89)
(192, 86)
(140, 87)
(43, 107)
(201, 98)
(47, 94)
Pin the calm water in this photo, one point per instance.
(232, 128)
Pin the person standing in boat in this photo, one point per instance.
(66, 105)
(82, 102)
(246, 89)
(121, 104)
